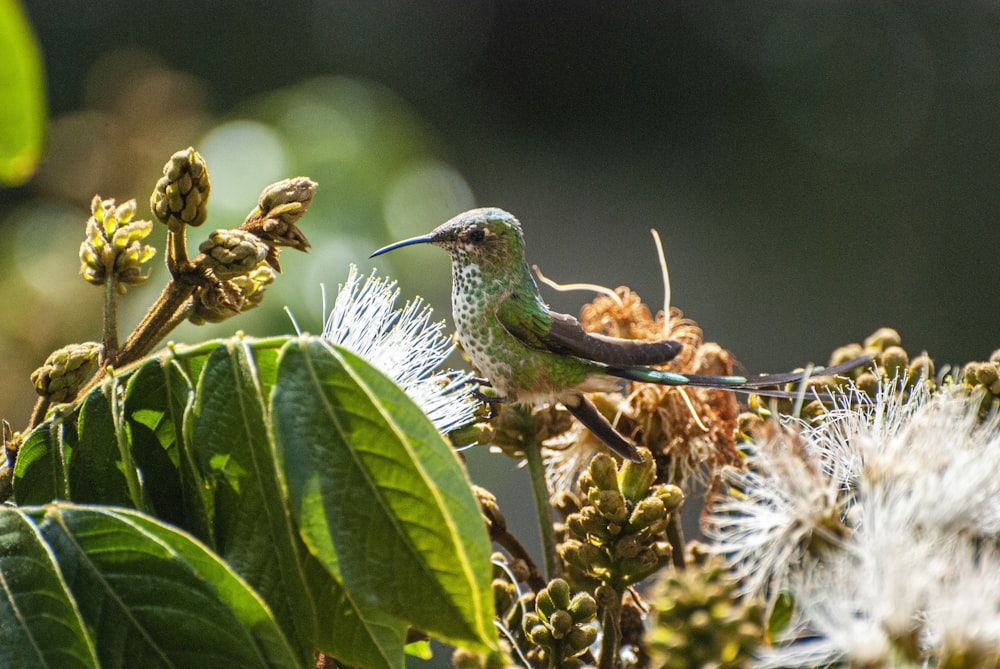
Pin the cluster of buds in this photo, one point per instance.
(238, 260)
(618, 535)
(985, 376)
(517, 428)
(279, 208)
(890, 361)
(559, 629)
(181, 195)
(65, 371)
(700, 621)
(113, 246)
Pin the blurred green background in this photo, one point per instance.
(816, 170)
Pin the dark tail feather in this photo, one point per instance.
(757, 385)
(594, 420)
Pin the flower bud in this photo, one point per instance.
(65, 371)
(671, 495)
(181, 195)
(648, 511)
(611, 505)
(230, 253)
(845, 353)
(540, 635)
(561, 622)
(636, 477)
(544, 605)
(113, 245)
(882, 339)
(604, 472)
(558, 589)
(582, 607)
(894, 360)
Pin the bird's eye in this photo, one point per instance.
(477, 235)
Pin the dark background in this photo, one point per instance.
(816, 170)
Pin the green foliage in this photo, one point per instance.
(22, 114)
(286, 498)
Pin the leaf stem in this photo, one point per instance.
(109, 351)
(536, 469)
(129, 469)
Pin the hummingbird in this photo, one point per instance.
(532, 355)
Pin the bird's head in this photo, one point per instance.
(486, 237)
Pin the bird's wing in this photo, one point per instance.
(538, 327)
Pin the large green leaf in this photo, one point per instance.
(380, 497)
(41, 626)
(156, 396)
(22, 114)
(356, 636)
(94, 468)
(152, 596)
(40, 472)
(232, 447)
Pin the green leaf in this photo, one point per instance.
(356, 636)
(40, 473)
(232, 447)
(247, 605)
(22, 114)
(41, 625)
(94, 465)
(152, 596)
(157, 400)
(380, 497)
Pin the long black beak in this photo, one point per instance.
(406, 242)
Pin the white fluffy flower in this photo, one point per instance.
(403, 344)
(908, 565)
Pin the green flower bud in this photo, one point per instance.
(531, 620)
(540, 635)
(561, 623)
(544, 605)
(642, 565)
(565, 503)
(648, 511)
(882, 339)
(636, 477)
(988, 375)
(65, 371)
(589, 523)
(868, 383)
(590, 559)
(280, 206)
(604, 472)
(582, 607)
(225, 299)
(181, 195)
(490, 509)
(627, 546)
(503, 595)
(845, 353)
(671, 495)
(113, 245)
(894, 360)
(230, 253)
(921, 367)
(611, 505)
(580, 639)
(558, 589)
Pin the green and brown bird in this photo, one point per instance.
(533, 355)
